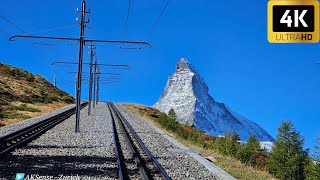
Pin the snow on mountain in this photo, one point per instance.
(187, 93)
(267, 145)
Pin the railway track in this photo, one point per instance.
(21, 137)
(141, 162)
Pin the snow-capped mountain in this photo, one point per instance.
(187, 93)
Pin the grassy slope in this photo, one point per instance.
(24, 95)
(229, 164)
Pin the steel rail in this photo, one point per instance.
(134, 151)
(119, 157)
(21, 137)
(137, 138)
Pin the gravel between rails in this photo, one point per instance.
(178, 165)
(60, 151)
(19, 125)
(131, 167)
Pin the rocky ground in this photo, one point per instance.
(90, 153)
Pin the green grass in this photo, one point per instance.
(12, 115)
(11, 112)
(24, 107)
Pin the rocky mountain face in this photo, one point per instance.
(187, 93)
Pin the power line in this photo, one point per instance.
(53, 29)
(25, 32)
(81, 41)
(154, 26)
(14, 24)
(127, 20)
(157, 21)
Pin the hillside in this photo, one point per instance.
(24, 95)
(204, 143)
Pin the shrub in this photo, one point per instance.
(30, 78)
(251, 153)
(67, 99)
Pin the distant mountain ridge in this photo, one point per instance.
(187, 93)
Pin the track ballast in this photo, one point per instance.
(134, 160)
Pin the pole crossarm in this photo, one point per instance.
(94, 73)
(118, 65)
(43, 37)
(119, 41)
(85, 40)
(82, 41)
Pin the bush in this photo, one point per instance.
(251, 153)
(30, 78)
(67, 99)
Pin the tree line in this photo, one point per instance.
(287, 160)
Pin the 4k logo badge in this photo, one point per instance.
(293, 21)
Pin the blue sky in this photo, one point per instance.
(225, 40)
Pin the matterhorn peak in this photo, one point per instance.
(182, 66)
(187, 93)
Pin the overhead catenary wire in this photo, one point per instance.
(98, 64)
(154, 25)
(13, 24)
(18, 27)
(126, 22)
(52, 29)
(82, 40)
(157, 21)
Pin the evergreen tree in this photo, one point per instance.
(172, 124)
(233, 147)
(313, 171)
(228, 144)
(248, 149)
(172, 114)
(253, 143)
(316, 150)
(288, 159)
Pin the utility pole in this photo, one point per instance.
(90, 80)
(54, 81)
(75, 87)
(95, 84)
(98, 82)
(81, 42)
